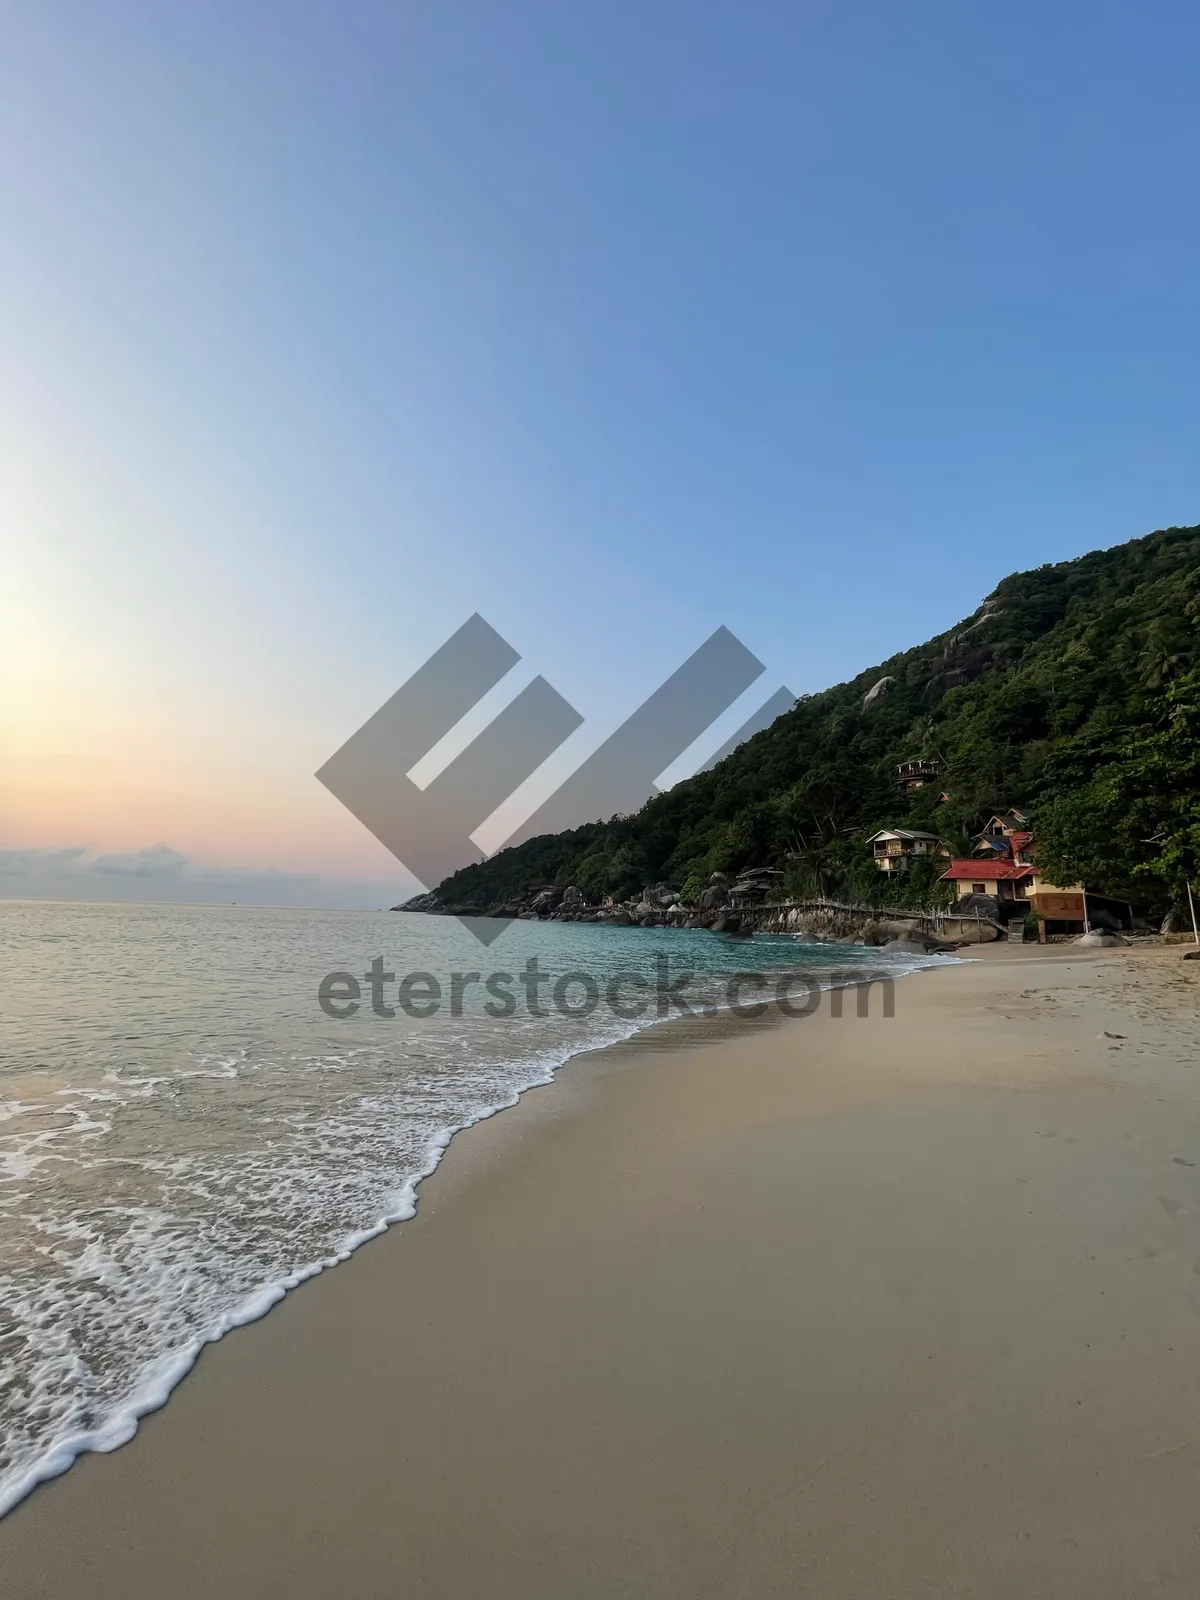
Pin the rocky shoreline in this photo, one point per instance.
(738, 907)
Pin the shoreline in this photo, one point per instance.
(164, 1375)
(316, 1356)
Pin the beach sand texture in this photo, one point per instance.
(848, 1307)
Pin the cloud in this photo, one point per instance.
(159, 861)
(160, 873)
(22, 863)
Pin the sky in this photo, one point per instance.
(323, 326)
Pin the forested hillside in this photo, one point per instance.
(1073, 692)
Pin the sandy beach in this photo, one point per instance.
(841, 1307)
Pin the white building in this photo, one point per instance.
(896, 848)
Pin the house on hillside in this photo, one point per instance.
(912, 775)
(1011, 846)
(896, 849)
(1004, 865)
(1004, 879)
(753, 885)
(1003, 825)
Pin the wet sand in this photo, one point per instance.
(848, 1307)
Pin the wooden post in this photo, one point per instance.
(1087, 927)
(1192, 909)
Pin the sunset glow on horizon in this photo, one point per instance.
(316, 340)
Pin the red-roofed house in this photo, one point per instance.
(1005, 867)
(1006, 880)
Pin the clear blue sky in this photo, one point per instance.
(322, 326)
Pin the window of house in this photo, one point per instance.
(979, 888)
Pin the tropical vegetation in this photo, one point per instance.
(1073, 692)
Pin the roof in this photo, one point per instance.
(986, 869)
(1006, 819)
(1011, 843)
(901, 833)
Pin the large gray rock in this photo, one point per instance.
(1103, 920)
(968, 904)
(428, 903)
(906, 947)
(877, 692)
(1098, 940)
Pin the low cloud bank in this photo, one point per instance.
(159, 873)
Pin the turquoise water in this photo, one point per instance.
(185, 1133)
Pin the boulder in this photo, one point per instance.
(1099, 940)
(877, 692)
(906, 947)
(727, 924)
(428, 903)
(968, 904)
(715, 895)
(1103, 920)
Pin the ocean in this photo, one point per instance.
(187, 1132)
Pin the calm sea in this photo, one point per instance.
(185, 1134)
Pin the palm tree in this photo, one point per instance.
(1164, 655)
